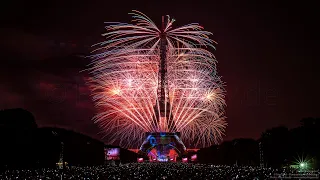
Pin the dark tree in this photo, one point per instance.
(275, 144)
(285, 147)
(236, 152)
(18, 138)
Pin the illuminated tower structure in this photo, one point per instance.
(163, 118)
(165, 144)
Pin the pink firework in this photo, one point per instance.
(124, 83)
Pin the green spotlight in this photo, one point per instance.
(302, 165)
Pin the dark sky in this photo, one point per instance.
(266, 53)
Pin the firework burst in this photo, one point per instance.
(124, 82)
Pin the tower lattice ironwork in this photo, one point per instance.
(162, 108)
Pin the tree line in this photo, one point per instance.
(277, 147)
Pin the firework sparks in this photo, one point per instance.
(125, 71)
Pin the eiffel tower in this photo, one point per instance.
(163, 119)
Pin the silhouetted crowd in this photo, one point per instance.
(152, 171)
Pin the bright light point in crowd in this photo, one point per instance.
(302, 164)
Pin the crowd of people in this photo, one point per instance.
(152, 171)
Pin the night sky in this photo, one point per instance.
(266, 53)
